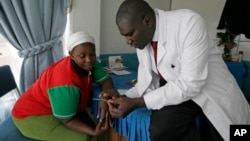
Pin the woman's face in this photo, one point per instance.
(84, 55)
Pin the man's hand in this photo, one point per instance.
(120, 107)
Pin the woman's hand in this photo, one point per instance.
(109, 93)
(102, 125)
(103, 110)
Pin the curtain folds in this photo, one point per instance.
(35, 28)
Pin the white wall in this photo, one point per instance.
(98, 18)
(211, 11)
(85, 16)
(111, 40)
(244, 44)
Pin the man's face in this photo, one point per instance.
(137, 33)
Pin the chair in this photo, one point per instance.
(9, 93)
(7, 81)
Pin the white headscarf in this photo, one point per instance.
(78, 38)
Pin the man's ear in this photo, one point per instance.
(147, 20)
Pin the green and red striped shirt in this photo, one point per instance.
(63, 90)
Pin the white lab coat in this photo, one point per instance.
(194, 69)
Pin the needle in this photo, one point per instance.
(100, 99)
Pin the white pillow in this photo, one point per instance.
(6, 103)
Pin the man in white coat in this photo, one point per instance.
(187, 78)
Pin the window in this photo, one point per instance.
(67, 32)
(9, 54)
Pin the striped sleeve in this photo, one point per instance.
(64, 101)
(99, 73)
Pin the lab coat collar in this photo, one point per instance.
(161, 35)
(145, 77)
